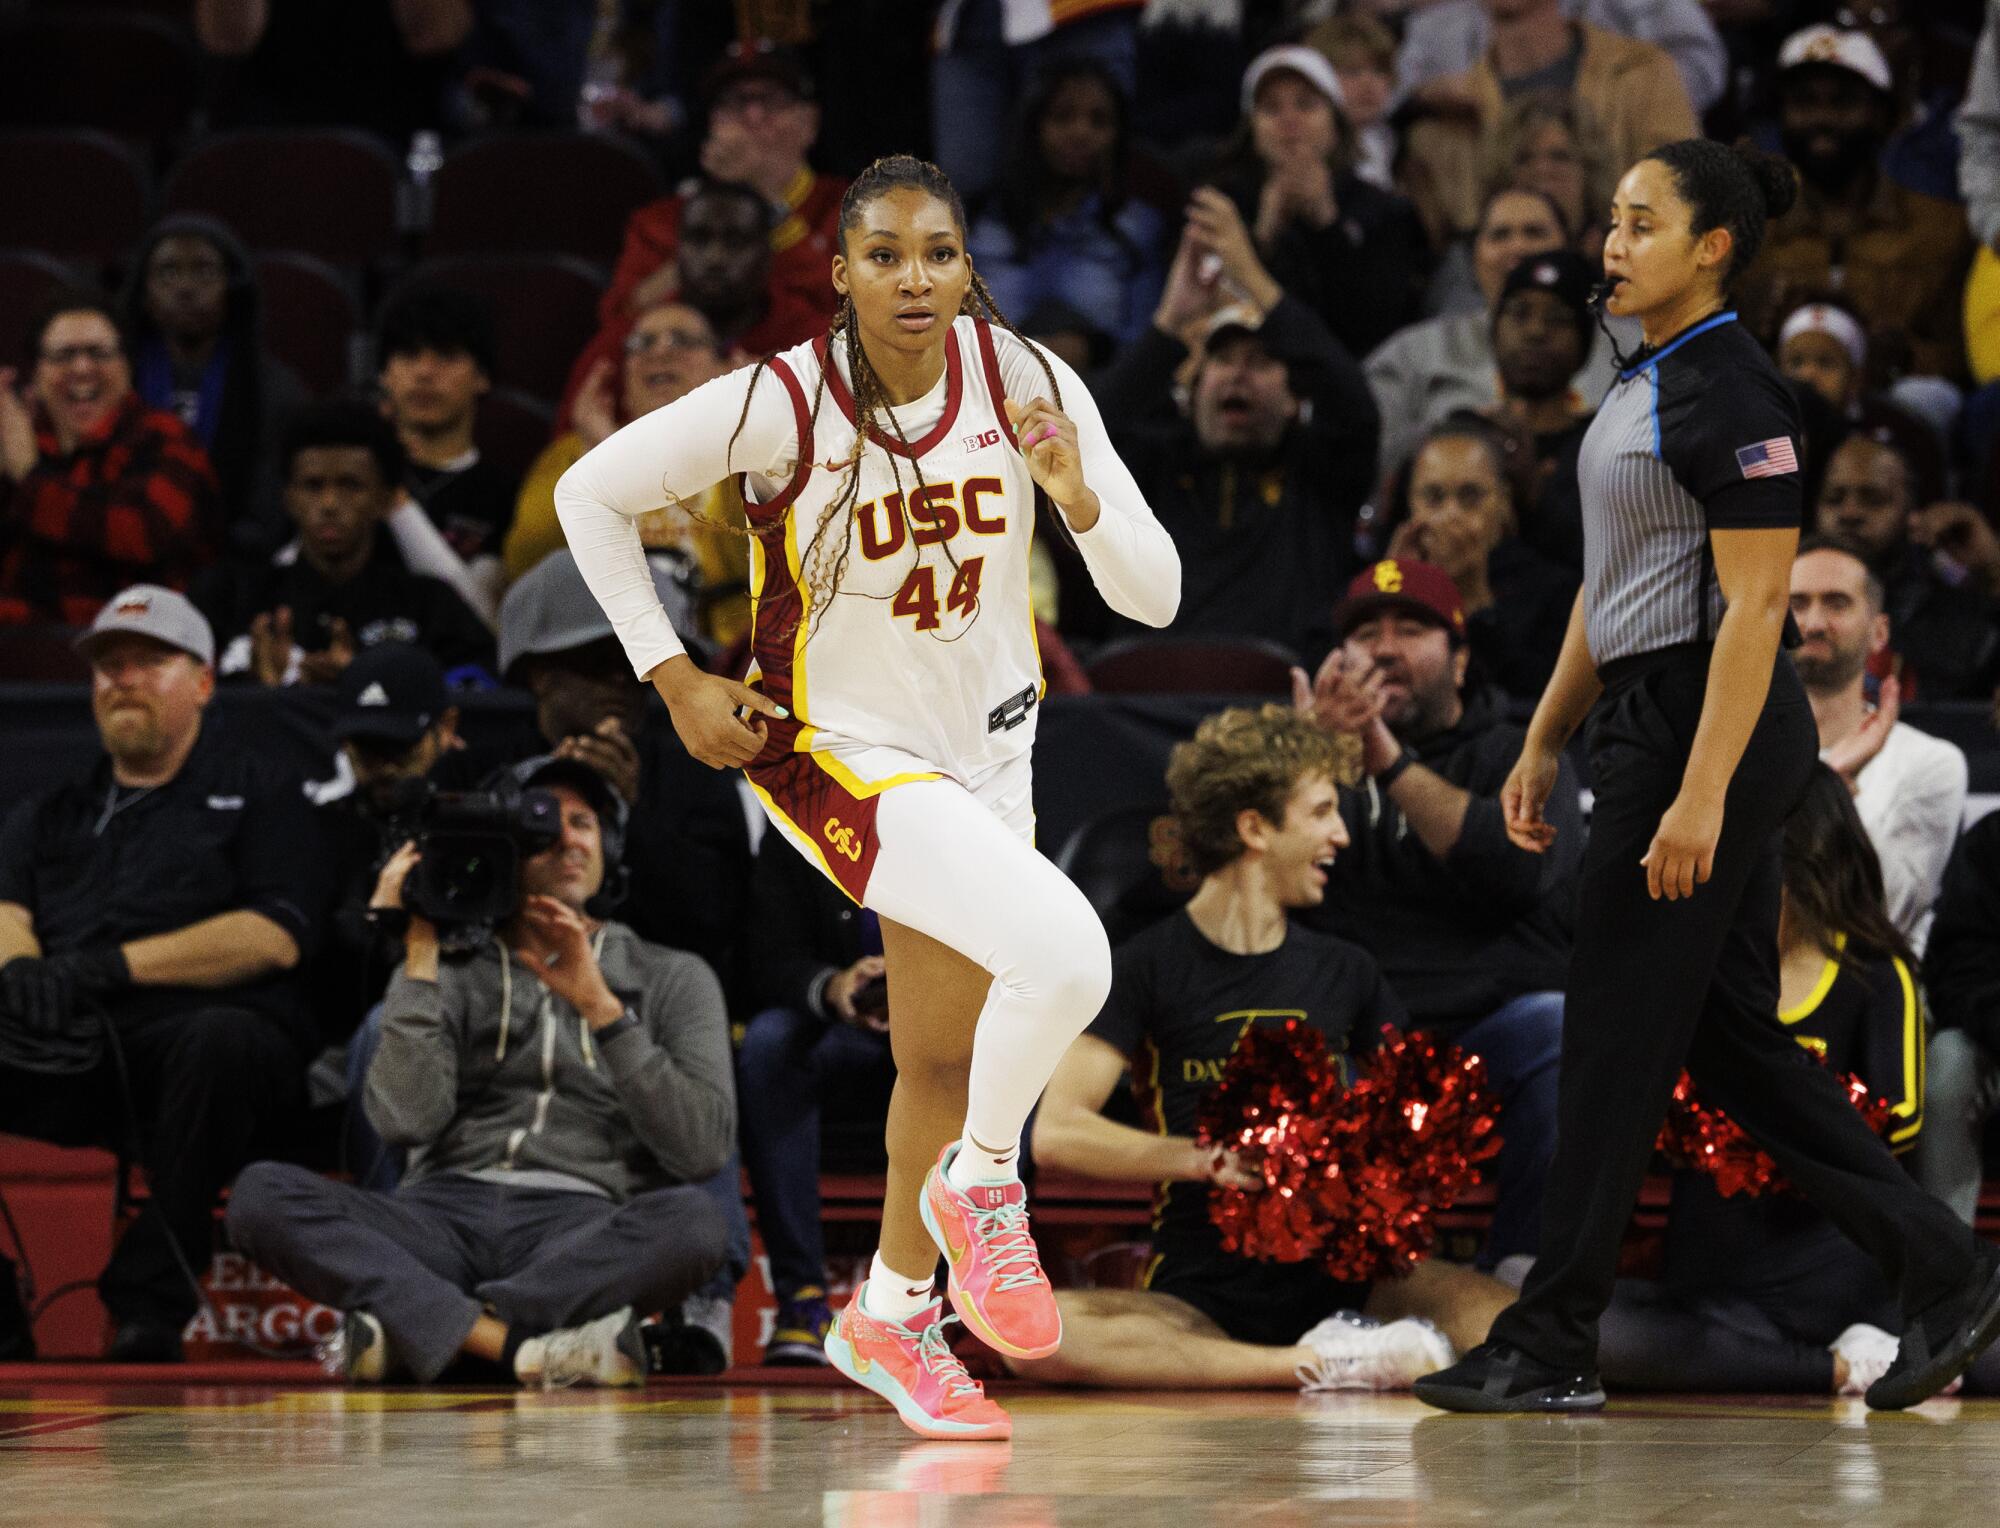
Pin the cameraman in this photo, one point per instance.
(549, 1085)
(164, 889)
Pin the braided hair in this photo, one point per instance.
(823, 563)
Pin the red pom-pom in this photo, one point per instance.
(1351, 1178)
(1709, 1141)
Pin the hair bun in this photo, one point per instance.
(1774, 177)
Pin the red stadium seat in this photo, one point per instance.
(133, 75)
(311, 315)
(329, 192)
(74, 193)
(512, 428)
(26, 277)
(546, 193)
(1193, 666)
(544, 311)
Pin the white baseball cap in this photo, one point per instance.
(148, 610)
(1301, 60)
(1856, 52)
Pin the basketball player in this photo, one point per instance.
(890, 471)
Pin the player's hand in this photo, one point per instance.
(713, 715)
(1682, 854)
(1055, 460)
(1529, 786)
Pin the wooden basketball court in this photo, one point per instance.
(801, 1452)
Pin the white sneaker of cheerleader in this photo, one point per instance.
(1351, 1352)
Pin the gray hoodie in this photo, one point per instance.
(485, 1070)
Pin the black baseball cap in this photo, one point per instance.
(391, 693)
(1564, 275)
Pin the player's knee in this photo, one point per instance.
(1076, 968)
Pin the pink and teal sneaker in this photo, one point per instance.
(910, 1366)
(995, 1280)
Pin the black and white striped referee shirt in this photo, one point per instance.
(1702, 434)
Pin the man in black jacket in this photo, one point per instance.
(822, 1035)
(1260, 494)
(341, 586)
(1962, 980)
(1471, 932)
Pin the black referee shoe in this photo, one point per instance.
(1937, 1349)
(1496, 1376)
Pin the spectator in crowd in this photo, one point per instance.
(688, 844)
(1260, 494)
(1896, 256)
(435, 351)
(819, 1041)
(1446, 38)
(152, 914)
(1362, 51)
(1441, 365)
(722, 267)
(1352, 252)
(664, 353)
(763, 119)
(103, 489)
(1978, 124)
(1823, 345)
(1763, 1293)
(1962, 979)
(1544, 144)
(393, 726)
(1062, 223)
(1943, 642)
(194, 312)
(1472, 932)
(1462, 521)
(1542, 334)
(342, 585)
(559, 1087)
(292, 63)
(1255, 815)
(987, 53)
(1627, 89)
(1909, 787)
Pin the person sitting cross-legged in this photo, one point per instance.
(561, 1088)
(1256, 813)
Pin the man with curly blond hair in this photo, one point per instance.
(1255, 818)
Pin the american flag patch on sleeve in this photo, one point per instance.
(1768, 458)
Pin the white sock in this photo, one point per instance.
(979, 1162)
(891, 1296)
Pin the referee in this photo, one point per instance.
(1701, 743)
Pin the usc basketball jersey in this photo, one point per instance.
(924, 660)
(923, 664)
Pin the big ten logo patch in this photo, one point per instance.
(935, 513)
(980, 441)
(246, 1305)
(843, 838)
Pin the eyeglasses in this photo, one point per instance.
(641, 343)
(63, 355)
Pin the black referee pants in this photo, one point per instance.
(1655, 986)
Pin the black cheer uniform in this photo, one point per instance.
(1698, 435)
(1179, 1004)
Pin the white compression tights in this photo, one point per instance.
(951, 868)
